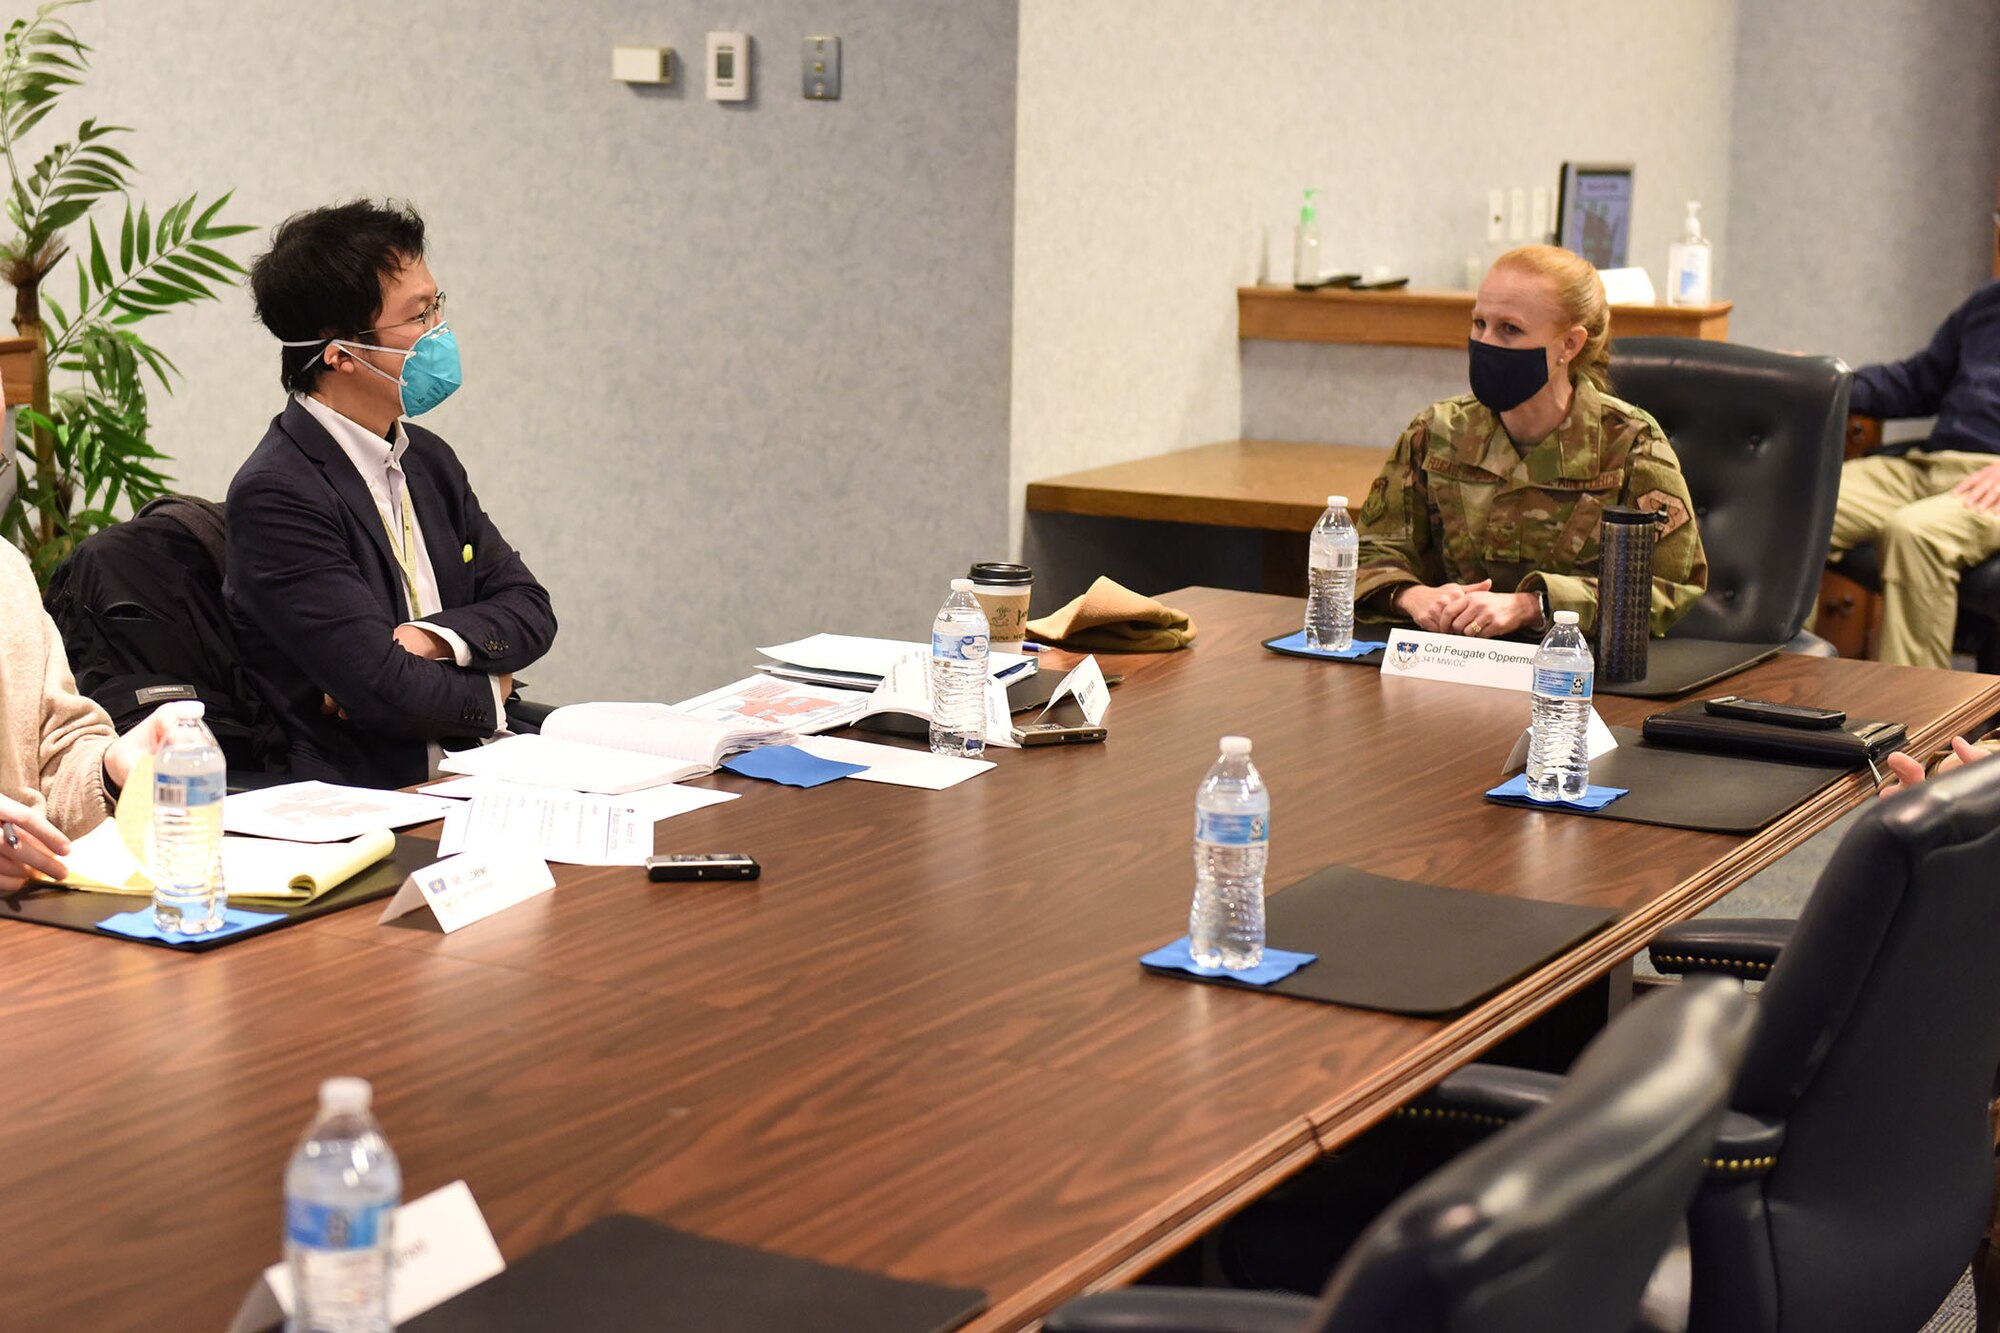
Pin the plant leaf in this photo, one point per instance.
(100, 267)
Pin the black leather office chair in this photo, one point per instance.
(139, 606)
(1759, 435)
(1855, 1174)
(1556, 1223)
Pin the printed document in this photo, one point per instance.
(570, 827)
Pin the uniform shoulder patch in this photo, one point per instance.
(1377, 502)
(1665, 502)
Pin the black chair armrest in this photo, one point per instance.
(1746, 1146)
(1491, 1096)
(521, 710)
(1494, 1096)
(1744, 947)
(1181, 1310)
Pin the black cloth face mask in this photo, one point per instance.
(1505, 377)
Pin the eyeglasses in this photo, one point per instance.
(430, 317)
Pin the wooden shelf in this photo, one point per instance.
(17, 369)
(1430, 319)
(1269, 484)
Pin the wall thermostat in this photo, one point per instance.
(728, 67)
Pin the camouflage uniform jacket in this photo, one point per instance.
(1458, 502)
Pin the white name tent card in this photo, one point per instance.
(441, 1247)
(1462, 660)
(1597, 740)
(1085, 684)
(460, 890)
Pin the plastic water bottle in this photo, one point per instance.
(341, 1190)
(188, 894)
(1335, 549)
(958, 675)
(1232, 836)
(1558, 763)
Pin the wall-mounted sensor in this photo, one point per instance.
(728, 67)
(642, 64)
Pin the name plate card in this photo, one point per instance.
(440, 1246)
(1458, 658)
(471, 886)
(1084, 683)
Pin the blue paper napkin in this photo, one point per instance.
(1296, 643)
(1276, 965)
(139, 925)
(1594, 798)
(790, 765)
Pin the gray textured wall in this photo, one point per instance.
(1163, 147)
(733, 373)
(1867, 140)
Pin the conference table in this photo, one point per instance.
(921, 1044)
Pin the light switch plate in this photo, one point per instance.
(642, 64)
(728, 67)
(819, 69)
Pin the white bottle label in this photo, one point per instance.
(958, 647)
(1553, 683)
(322, 1226)
(187, 791)
(1222, 830)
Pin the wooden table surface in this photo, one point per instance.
(921, 1044)
(1274, 485)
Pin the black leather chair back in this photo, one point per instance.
(1759, 436)
(1879, 1039)
(1558, 1221)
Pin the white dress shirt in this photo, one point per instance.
(379, 461)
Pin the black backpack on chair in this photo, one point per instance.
(140, 609)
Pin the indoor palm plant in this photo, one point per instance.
(81, 445)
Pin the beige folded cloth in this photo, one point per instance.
(1110, 618)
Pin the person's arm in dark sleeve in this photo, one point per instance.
(290, 570)
(1912, 388)
(509, 624)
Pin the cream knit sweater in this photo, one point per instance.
(52, 756)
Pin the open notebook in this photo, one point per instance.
(614, 748)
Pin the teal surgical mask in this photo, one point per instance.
(431, 369)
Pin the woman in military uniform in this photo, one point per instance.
(1485, 518)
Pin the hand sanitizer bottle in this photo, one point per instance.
(1688, 263)
(1306, 266)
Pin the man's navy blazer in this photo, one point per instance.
(315, 595)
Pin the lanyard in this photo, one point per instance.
(406, 553)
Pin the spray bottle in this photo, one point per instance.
(1689, 263)
(1306, 265)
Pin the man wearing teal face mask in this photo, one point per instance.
(376, 606)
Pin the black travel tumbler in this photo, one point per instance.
(1624, 593)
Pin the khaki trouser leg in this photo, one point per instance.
(1926, 534)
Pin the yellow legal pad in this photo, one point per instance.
(109, 859)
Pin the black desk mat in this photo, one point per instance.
(1673, 666)
(1408, 948)
(624, 1274)
(75, 909)
(1694, 789)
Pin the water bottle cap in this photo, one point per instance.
(1336, 502)
(1235, 745)
(961, 585)
(345, 1094)
(186, 709)
(1565, 617)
